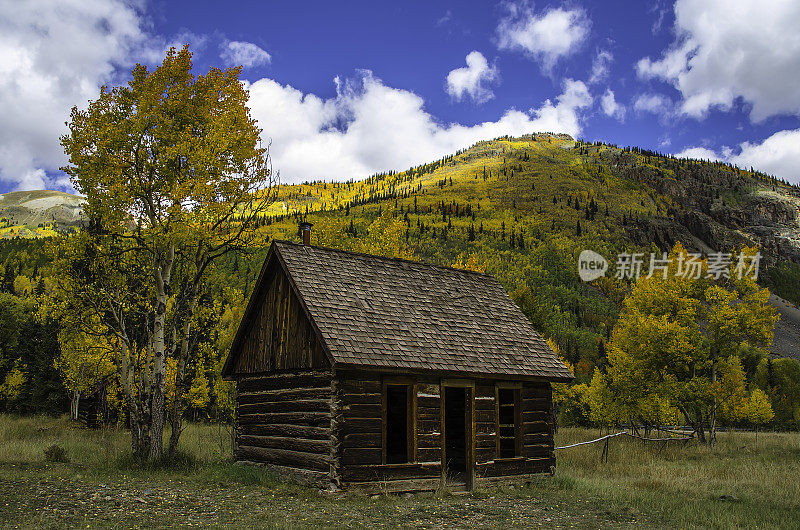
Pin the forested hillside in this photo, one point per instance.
(521, 209)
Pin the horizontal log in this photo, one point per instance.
(301, 476)
(358, 399)
(359, 425)
(428, 388)
(536, 404)
(537, 450)
(485, 440)
(396, 486)
(429, 412)
(284, 395)
(361, 440)
(484, 454)
(496, 467)
(514, 466)
(537, 390)
(484, 427)
(359, 386)
(360, 455)
(355, 374)
(300, 405)
(488, 482)
(429, 440)
(429, 454)
(283, 457)
(365, 473)
(484, 405)
(429, 401)
(535, 415)
(536, 427)
(484, 391)
(298, 418)
(484, 416)
(363, 410)
(289, 444)
(538, 438)
(299, 431)
(283, 380)
(428, 425)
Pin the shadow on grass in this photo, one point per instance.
(180, 462)
(186, 465)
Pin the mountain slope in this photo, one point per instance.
(40, 212)
(524, 208)
(528, 206)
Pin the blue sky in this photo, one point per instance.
(345, 89)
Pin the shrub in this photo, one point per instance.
(56, 453)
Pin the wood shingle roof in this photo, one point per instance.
(385, 313)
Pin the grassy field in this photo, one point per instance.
(743, 482)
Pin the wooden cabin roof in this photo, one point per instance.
(398, 315)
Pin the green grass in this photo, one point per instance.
(743, 482)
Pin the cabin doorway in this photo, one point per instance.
(457, 428)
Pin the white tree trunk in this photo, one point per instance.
(162, 276)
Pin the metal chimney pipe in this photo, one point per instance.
(305, 228)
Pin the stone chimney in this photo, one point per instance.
(305, 229)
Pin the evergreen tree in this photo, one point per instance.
(8, 280)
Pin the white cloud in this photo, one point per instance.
(727, 49)
(369, 127)
(156, 47)
(546, 36)
(700, 153)
(660, 11)
(447, 17)
(610, 106)
(653, 103)
(471, 80)
(600, 66)
(54, 54)
(247, 54)
(777, 155)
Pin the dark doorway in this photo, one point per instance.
(396, 424)
(455, 432)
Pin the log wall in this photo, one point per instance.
(357, 435)
(537, 446)
(284, 420)
(279, 336)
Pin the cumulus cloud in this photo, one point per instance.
(653, 103)
(600, 66)
(156, 47)
(369, 127)
(610, 106)
(700, 153)
(729, 49)
(546, 36)
(246, 54)
(777, 155)
(472, 79)
(54, 54)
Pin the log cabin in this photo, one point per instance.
(359, 371)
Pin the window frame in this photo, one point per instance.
(518, 427)
(411, 417)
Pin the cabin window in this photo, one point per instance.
(508, 422)
(398, 423)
